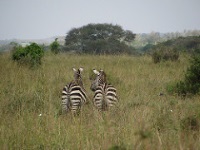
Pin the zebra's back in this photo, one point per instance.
(73, 97)
(105, 97)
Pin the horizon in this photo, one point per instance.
(26, 19)
(57, 36)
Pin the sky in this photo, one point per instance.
(39, 19)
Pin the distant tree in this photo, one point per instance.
(153, 38)
(13, 44)
(54, 46)
(99, 38)
(147, 48)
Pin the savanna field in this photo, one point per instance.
(146, 117)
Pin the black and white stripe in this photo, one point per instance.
(105, 94)
(73, 94)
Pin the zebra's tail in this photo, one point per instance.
(104, 105)
(65, 100)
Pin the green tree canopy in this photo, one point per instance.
(99, 38)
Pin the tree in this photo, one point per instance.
(99, 38)
(55, 46)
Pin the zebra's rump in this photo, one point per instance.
(73, 96)
(105, 97)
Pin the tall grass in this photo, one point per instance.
(30, 106)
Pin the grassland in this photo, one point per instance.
(30, 106)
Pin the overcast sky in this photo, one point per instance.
(37, 19)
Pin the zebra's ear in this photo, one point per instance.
(74, 69)
(81, 69)
(95, 71)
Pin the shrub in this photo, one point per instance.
(55, 47)
(156, 57)
(191, 83)
(31, 54)
(182, 44)
(165, 54)
(19, 53)
(197, 50)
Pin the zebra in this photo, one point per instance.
(105, 94)
(74, 94)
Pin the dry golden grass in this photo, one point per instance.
(141, 120)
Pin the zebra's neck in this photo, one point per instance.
(79, 82)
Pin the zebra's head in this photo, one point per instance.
(77, 76)
(99, 79)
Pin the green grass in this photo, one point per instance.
(141, 120)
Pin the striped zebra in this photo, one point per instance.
(105, 94)
(74, 94)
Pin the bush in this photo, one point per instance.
(188, 44)
(55, 47)
(191, 83)
(31, 54)
(165, 54)
(19, 53)
(156, 57)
